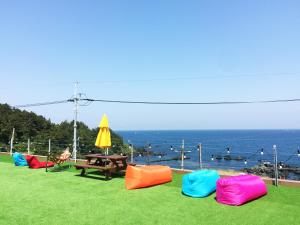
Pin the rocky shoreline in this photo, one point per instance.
(266, 169)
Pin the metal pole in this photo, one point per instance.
(75, 121)
(131, 152)
(12, 141)
(200, 156)
(275, 165)
(148, 154)
(28, 146)
(182, 155)
(49, 149)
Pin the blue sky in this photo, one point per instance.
(176, 51)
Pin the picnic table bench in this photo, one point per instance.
(104, 163)
(106, 169)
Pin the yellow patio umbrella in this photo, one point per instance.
(103, 138)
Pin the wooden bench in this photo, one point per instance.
(105, 169)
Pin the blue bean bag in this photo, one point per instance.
(200, 183)
(19, 159)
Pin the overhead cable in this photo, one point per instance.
(43, 103)
(157, 103)
(191, 103)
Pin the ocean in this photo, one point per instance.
(246, 147)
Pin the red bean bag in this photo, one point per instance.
(34, 163)
(145, 176)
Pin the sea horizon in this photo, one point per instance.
(212, 129)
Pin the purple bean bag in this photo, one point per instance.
(237, 190)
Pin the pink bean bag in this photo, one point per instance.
(237, 190)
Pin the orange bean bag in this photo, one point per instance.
(145, 176)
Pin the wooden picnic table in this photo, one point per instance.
(104, 163)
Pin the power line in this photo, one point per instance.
(157, 103)
(43, 103)
(192, 103)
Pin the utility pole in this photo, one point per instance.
(12, 141)
(75, 121)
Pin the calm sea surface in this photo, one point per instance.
(246, 144)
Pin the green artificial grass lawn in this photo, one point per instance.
(35, 197)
